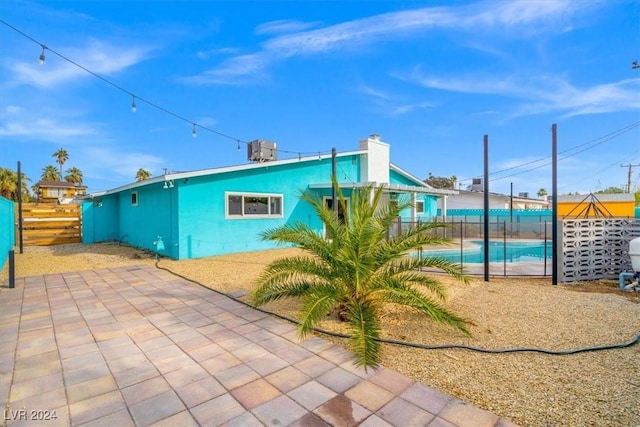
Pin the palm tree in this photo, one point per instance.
(9, 184)
(453, 179)
(541, 193)
(358, 270)
(50, 173)
(61, 156)
(74, 175)
(142, 174)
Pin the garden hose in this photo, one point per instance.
(630, 343)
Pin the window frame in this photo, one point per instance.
(244, 214)
(134, 194)
(420, 206)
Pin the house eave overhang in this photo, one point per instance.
(388, 188)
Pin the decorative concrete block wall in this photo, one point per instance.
(593, 249)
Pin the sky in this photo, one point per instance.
(431, 77)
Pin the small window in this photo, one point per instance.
(134, 198)
(253, 205)
(420, 206)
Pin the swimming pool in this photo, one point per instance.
(499, 251)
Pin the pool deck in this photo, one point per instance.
(138, 346)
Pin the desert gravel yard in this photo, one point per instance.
(600, 388)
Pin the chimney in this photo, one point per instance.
(374, 165)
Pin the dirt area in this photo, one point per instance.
(533, 389)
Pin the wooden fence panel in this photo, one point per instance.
(50, 224)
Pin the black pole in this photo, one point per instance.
(20, 207)
(334, 202)
(554, 204)
(486, 208)
(504, 249)
(545, 248)
(511, 205)
(12, 269)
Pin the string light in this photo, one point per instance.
(140, 99)
(42, 58)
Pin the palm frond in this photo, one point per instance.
(317, 304)
(275, 291)
(365, 333)
(410, 297)
(408, 278)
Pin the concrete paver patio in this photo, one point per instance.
(140, 346)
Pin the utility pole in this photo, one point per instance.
(629, 173)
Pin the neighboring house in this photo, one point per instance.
(603, 205)
(59, 191)
(223, 210)
(474, 199)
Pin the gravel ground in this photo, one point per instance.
(599, 388)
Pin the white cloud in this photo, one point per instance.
(100, 57)
(115, 164)
(240, 69)
(51, 130)
(542, 94)
(526, 17)
(283, 26)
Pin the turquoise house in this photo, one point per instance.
(217, 211)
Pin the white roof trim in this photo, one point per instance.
(214, 171)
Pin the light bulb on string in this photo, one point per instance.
(238, 145)
(194, 133)
(42, 58)
(133, 103)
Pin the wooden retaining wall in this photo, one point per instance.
(49, 224)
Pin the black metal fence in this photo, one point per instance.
(515, 248)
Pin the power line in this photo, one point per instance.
(136, 97)
(588, 146)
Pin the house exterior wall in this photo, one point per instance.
(191, 215)
(100, 220)
(154, 214)
(204, 229)
(430, 201)
(475, 200)
(617, 209)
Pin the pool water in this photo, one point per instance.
(498, 252)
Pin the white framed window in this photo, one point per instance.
(253, 205)
(420, 206)
(134, 198)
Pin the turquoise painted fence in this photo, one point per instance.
(7, 229)
(498, 215)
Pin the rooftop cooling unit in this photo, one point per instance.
(525, 195)
(477, 184)
(260, 150)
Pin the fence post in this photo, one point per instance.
(12, 269)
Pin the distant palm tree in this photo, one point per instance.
(541, 193)
(453, 179)
(357, 271)
(61, 156)
(50, 173)
(142, 174)
(74, 175)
